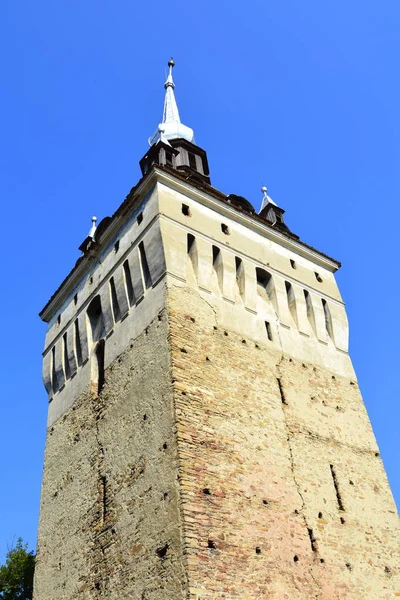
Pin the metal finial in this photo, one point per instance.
(93, 227)
(264, 190)
(171, 62)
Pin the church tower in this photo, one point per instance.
(207, 439)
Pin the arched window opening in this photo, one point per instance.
(291, 302)
(266, 287)
(328, 319)
(96, 319)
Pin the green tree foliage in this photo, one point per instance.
(16, 574)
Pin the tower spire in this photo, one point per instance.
(171, 127)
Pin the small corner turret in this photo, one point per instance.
(271, 212)
(172, 144)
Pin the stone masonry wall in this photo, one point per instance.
(110, 522)
(284, 494)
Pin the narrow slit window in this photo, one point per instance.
(268, 330)
(240, 277)
(310, 311)
(116, 246)
(99, 378)
(54, 379)
(145, 266)
(139, 218)
(328, 319)
(336, 486)
(76, 299)
(114, 300)
(78, 347)
(67, 369)
(293, 264)
(193, 256)
(218, 266)
(291, 301)
(128, 282)
(103, 496)
(185, 210)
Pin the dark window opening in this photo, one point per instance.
(114, 301)
(76, 299)
(218, 266)
(186, 210)
(116, 246)
(318, 277)
(310, 311)
(103, 497)
(100, 365)
(169, 159)
(268, 330)
(145, 266)
(59, 320)
(78, 347)
(128, 281)
(67, 369)
(192, 161)
(139, 218)
(225, 229)
(328, 319)
(293, 264)
(266, 287)
(96, 319)
(291, 301)
(190, 242)
(54, 379)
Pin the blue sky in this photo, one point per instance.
(300, 96)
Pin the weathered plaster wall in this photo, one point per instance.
(110, 523)
(266, 515)
(245, 468)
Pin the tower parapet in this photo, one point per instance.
(204, 414)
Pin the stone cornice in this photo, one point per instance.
(211, 198)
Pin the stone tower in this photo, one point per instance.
(206, 435)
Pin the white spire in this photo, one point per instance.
(171, 126)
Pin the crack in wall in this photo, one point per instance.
(289, 433)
